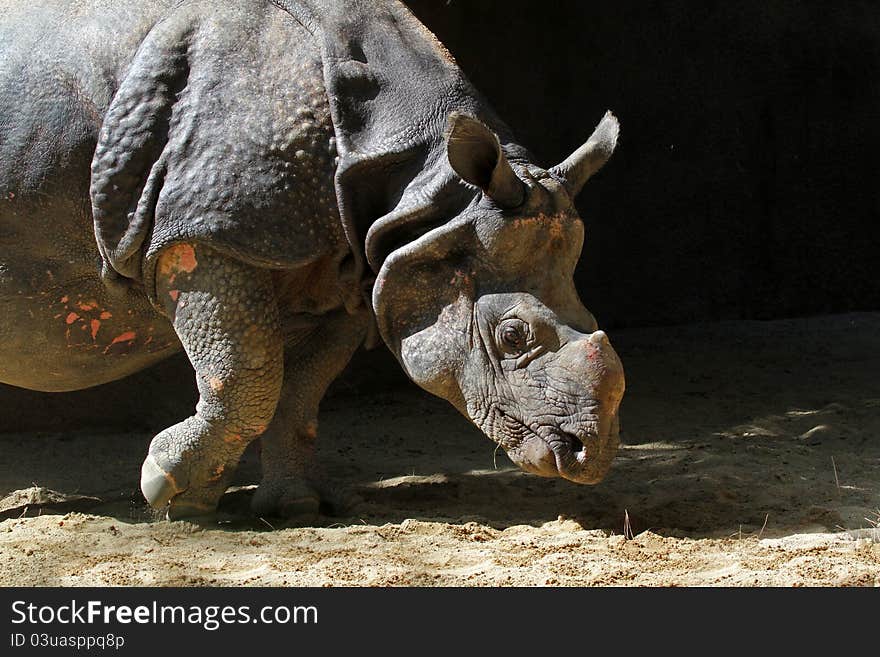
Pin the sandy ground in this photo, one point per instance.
(751, 456)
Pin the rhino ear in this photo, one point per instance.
(475, 154)
(589, 158)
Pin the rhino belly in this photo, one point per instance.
(60, 327)
(71, 336)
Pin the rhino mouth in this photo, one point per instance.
(583, 458)
(586, 458)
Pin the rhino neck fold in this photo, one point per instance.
(429, 200)
(391, 86)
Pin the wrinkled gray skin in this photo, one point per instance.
(220, 177)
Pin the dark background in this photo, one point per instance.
(745, 184)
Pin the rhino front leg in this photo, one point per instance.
(225, 314)
(294, 484)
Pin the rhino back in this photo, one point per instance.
(252, 146)
(220, 132)
(59, 66)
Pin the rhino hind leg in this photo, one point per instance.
(226, 316)
(294, 484)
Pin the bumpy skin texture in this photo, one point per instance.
(294, 484)
(226, 316)
(220, 176)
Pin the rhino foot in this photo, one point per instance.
(185, 472)
(296, 497)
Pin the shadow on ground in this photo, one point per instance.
(730, 429)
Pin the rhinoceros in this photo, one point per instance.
(268, 185)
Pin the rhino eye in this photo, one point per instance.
(513, 336)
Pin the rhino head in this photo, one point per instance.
(482, 310)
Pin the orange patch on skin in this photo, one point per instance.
(218, 472)
(106, 315)
(232, 438)
(556, 228)
(459, 276)
(312, 429)
(215, 383)
(178, 258)
(166, 269)
(174, 294)
(87, 305)
(187, 258)
(71, 318)
(128, 336)
(64, 299)
(95, 325)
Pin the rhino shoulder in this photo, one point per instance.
(220, 132)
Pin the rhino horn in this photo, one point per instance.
(475, 154)
(578, 167)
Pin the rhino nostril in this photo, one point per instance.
(576, 444)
